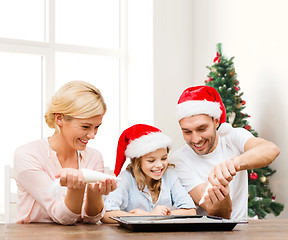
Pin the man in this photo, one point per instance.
(219, 156)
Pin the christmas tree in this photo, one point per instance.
(223, 78)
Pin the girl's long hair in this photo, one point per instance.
(135, 169)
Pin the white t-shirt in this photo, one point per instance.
(193, 169)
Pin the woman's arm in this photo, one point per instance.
(95, 191)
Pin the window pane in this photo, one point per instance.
(20, 104)
(22, 19)
(103, 73)
(88, 22)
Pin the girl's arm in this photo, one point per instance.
(183, 211)
(114, 213)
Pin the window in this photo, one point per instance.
(44, 46)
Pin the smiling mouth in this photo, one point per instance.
(157, 172)
(83, 141)
(199, 146)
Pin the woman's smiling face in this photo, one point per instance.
(77, 132)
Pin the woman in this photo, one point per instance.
(76, 113)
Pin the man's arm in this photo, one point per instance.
(258, 153)
(216, 203)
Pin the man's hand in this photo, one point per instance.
(223, 172)
(215, 195)
(218, 202)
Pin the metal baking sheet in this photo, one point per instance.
(175, 223)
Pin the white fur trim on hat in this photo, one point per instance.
(196, 107)
(148, 143)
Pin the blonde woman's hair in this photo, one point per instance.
(75, 99)
(135, 169)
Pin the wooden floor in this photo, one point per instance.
(272, 229)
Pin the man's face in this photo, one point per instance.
(199, 132)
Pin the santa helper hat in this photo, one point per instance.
(203, 100)
(137, 141)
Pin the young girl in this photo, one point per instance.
(149, 184)
(76, 113)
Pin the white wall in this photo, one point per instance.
(255, 32)
(173, 61)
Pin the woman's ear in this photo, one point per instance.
(59, 119)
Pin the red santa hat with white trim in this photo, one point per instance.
(137, 141)
(203, 100)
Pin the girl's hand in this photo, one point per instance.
(138, 211)
(71, 178)
(103, 187)
(161, 210)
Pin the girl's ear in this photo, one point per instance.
(59, 119)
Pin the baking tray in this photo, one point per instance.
(175, 223)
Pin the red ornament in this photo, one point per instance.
(209, 80)
(243, 102)
(253, 175)
(236, 88)
(247, 127)
(217, 58)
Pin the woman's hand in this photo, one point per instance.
(71, 178)
(103, 187)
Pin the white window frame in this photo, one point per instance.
(50, 47)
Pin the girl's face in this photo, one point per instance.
(77, 132)
(154, 164)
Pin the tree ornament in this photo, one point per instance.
(247, 127)
(217, 58)
(263, 179)
(232, 118)
(253, 175)
(239, 105)
(232, 73)
(208, 80)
